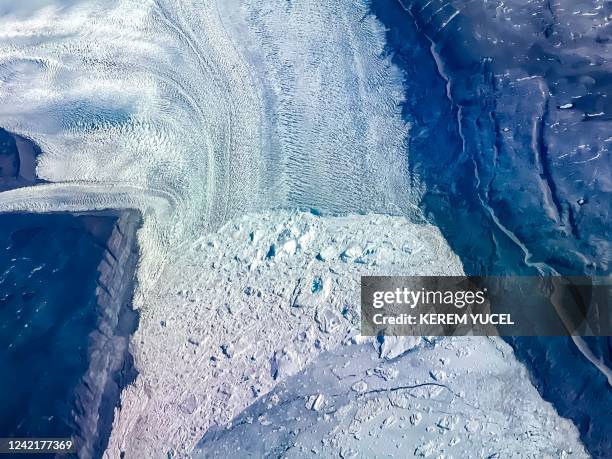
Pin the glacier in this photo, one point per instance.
(270, 297)
(353, 403)
(212, 119)
(509, 149)
(96, 86)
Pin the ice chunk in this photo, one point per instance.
(394, 346)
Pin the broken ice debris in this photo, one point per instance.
(315, 402)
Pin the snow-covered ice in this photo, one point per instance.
(255, 306)
(246, 307)
(195, 113)
(354, 403)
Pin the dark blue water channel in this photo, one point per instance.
(472, 153)
(48, 278)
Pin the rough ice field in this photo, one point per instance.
(249, 306)
(454, 397)
(255, 303)
(222, 106)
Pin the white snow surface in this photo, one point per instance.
(223, 106)
(257, 302)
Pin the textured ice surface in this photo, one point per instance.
(335, 134)
(529, 85)
(248, 307)
(166, 97)
(164, 107)
(516, 168)
(457, 397)
(262, 300)
(161, 106)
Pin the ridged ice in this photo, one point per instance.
(224, 107)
